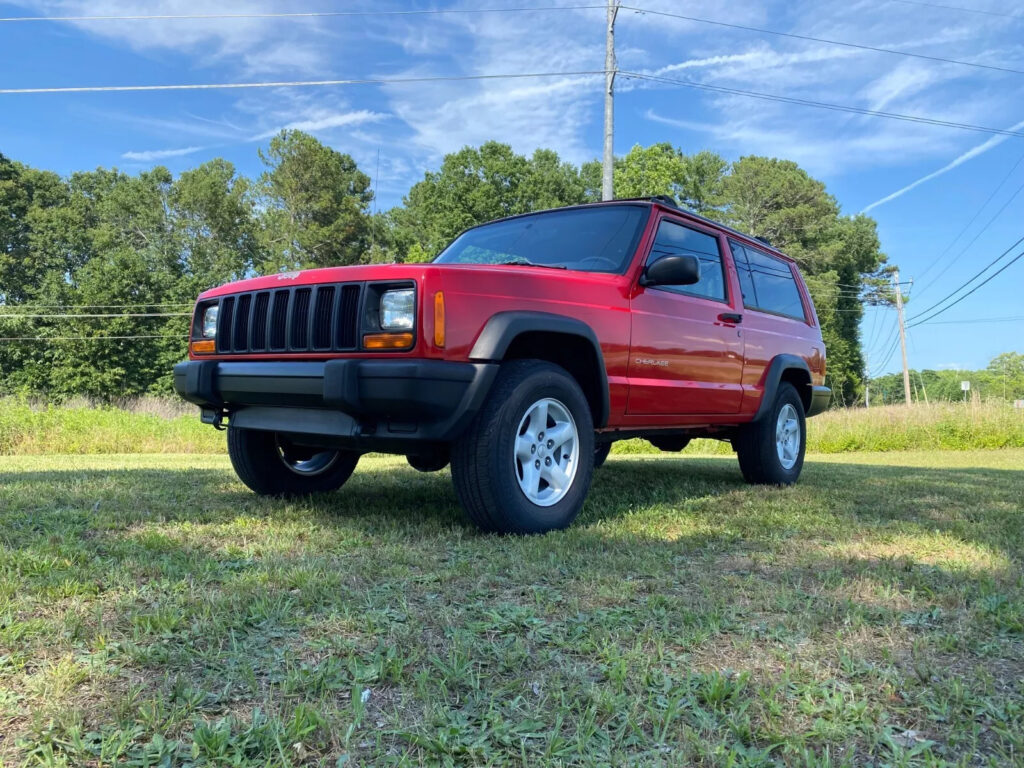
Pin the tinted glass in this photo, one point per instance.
(739, 256)
(675, 239)
(599, 239)
(774, 284)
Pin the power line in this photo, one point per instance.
(981, 231)
(809, 38)
(959, 8)
(968, 282)
(34, 305)
(1013, 319)
(1003, 268)
(87, 338)
(818, 104)
(303, 83)
(298, 15)
(104, 314)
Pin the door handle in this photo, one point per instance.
(730, 317)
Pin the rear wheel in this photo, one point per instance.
(771, 451)
(524, 465)
(271, 465)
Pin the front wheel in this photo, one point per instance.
(771, 451)
(525, 463)
(271, 465)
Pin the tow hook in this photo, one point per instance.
(214, 417)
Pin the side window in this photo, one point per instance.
(739, 256)
(774, 285)
(675, 239)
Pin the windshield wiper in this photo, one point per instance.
(528, 263)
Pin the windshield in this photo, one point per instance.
(598, 239)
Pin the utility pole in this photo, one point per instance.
(608, 162)
(903, 334)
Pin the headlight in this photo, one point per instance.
(210, 322)
(397, 309)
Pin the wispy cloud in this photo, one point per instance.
(326, 121)
(149, 155)
(970, 154)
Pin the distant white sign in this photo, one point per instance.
(965, 385)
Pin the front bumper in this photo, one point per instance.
(351, 403)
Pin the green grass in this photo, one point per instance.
(154, 425)
(153, 612)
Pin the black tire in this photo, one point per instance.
(601, 451)
(485, 470)
(669, 443)
(434, 461)
(262, 461)
(756, 445)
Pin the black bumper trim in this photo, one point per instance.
(372, 402)
(820, 397)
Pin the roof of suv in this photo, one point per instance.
(665, 203)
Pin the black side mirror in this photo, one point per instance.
(672, 270)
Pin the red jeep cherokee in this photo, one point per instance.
(519, 355)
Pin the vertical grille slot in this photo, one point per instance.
(322, 317)
(224, 317)
(300, 319)
(259, 322)
(348, 317)
(279, 319)
(241, 337)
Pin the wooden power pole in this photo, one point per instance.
(903, 335)
(608, 161)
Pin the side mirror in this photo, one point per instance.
(672, 270)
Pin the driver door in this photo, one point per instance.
(686, 346)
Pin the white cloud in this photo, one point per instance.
(970, 154)
(160, 154)
(325, 121)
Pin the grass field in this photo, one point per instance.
(153, 612)
(160, 425)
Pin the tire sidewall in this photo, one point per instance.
(519, 513)
(787, 395)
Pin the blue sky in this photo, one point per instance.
(923, 184)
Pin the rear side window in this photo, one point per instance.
(768, 283)
(674, 240)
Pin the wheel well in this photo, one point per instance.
(801, 381)
(574, 353)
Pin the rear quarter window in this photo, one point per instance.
(767, 282)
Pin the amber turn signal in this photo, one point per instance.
(439, 319)
(204, 347)
(387, 340)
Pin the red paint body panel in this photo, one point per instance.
(705, 371)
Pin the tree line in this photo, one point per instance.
(1002, 379)
(108, 242)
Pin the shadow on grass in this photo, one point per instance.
(205, 580)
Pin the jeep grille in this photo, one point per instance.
(318, 318)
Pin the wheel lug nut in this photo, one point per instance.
(550, 443)
(537, 463)
(533, 449)
(541, 436)
(547, 461)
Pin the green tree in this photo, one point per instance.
(779, 201)
(694, 181)
(478, 184)
(315, 202)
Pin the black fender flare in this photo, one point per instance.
(778, 366)
(502, 329)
